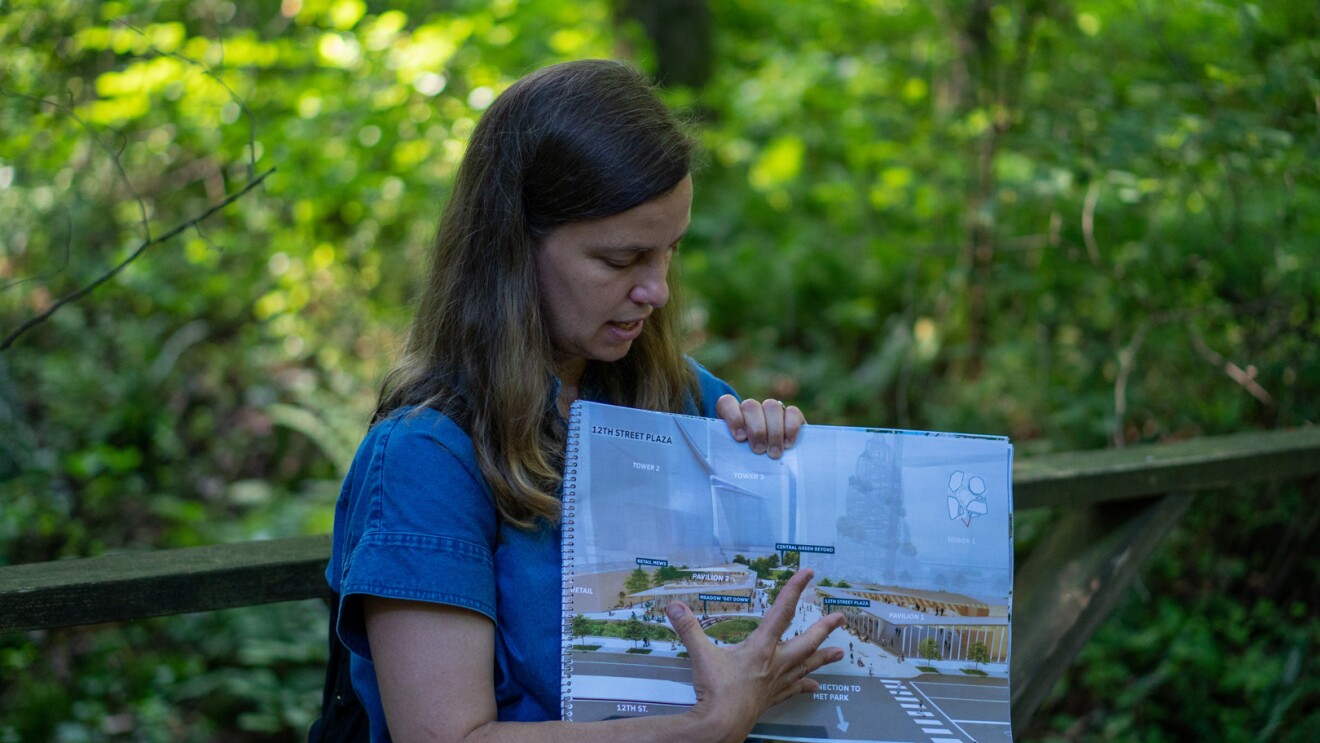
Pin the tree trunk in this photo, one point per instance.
(681, 31)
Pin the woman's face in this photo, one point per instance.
(600, 279)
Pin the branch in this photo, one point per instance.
(1127, 358)
(233, 96)
(148, 240)
(91, 133)
(79, 294)
(1246, 378)
(1127, 362)
(1088, 221)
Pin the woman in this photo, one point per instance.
(548, 284)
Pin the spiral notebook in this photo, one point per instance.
(909, 534)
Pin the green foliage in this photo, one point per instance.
(637, 581)
(634, 630)
(1119, 217)
(978, 653)
(190, 678)
(1085, 224)
(733, 631)
(929, 649)
(764, 567)
(581, 626)
(1223, 623)
(665, 574)
(629, 629)
(215, 388)
(780, 578)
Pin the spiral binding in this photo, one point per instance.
(566, 542)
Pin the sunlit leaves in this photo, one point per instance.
(1148, 189)
(780, 163)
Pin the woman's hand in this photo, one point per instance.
(734, 685)
(431, 661)
(768, 426)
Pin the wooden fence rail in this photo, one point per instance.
(1115, 508)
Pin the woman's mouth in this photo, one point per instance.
(625, 331)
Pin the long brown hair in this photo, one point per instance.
(571, 142)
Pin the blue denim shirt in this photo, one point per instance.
(416, 520)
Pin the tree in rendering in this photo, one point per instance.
(929, 649)
(979, 653)
(633, 630)
(581, 626)
(637, 582)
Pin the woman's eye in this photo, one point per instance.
(620, 262)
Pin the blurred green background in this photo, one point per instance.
(1081, 224)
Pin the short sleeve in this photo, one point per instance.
(712, 389)
(418, 523)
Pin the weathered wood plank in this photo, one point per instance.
(1074, 478)
(148, 584)
(1071, 583)
(138, 585)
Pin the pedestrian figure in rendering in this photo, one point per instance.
(548, 283)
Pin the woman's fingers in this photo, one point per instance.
(796, 678)
(767, 427)
(794, 420)
(818, 632)
(754, 422)
(743, 681)
(728, 409)
(782, 610)
(823, 656)
(804, 655)
(801, 686)
(804, 651)
(687, 627)
(772, 411)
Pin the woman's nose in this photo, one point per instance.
(653, 288)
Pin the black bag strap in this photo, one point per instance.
(343, 718)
